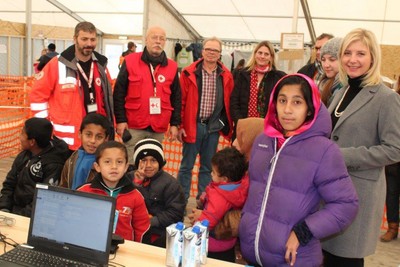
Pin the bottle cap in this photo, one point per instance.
(205, 223)
(196, 230)
(180, 226)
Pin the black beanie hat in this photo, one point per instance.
(39, 129)
(149, 147)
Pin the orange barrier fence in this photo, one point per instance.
(14, 110)
(173, 156)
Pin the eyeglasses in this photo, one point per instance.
(209, 50)
(157, 38)
(6, 220)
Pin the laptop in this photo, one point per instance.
(69, 224)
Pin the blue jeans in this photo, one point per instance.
(206, 145)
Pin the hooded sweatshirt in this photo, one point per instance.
(287, 186)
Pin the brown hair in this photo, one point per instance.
(85, 26)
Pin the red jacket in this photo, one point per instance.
(134, 88)
(219, 199)
(191, 99)
(56, 95)
(222, 197)
(133, 218)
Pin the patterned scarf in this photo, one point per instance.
(257, 99)
(252, 112)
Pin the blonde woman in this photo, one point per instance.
(366, 126)
(254, 83)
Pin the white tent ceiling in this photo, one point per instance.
(236, 20)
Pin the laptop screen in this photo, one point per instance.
(67, 221)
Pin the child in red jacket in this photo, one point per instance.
(112, 163)
(227, 191)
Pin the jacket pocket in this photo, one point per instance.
(67, 98)
(132, 105)
(371, 174)
(135, 86)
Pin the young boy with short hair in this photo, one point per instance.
(78, 169)
(111, 165)
(41, 161)
(163, 194)
(227, 191)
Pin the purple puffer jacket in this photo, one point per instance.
(287, 187)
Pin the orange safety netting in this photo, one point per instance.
(14, 110)
(173, 156)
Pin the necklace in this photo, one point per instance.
(338, 114)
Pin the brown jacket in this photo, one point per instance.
(67, 173)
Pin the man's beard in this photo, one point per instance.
(87, 50)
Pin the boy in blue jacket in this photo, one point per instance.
(79, 169)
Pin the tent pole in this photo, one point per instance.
(145, 21)
(28, 39)
(307, 16)
(192, 32)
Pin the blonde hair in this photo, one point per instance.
(252, 61)
(366, 37)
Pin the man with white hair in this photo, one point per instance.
(147, 94)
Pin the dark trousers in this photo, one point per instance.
(392, 192)
(331, 260)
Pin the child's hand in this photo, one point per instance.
(194, 216)
(139, 174)
(291, 249)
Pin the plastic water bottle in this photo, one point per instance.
(203, 225)
(174, 244)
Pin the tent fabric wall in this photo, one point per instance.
(250, 20)
(159, 16)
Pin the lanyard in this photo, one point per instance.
(154, 80)
(89, 81)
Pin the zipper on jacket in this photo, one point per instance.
(273, 162)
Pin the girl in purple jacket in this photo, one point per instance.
(294, 167)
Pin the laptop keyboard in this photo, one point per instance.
(35, 258)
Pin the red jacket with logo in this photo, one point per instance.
(133, 218)
(134, 88)
(56, 95)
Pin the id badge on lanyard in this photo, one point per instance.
(155, 102)
(155, 105)
(92, 106)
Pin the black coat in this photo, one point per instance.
(165, 201)
(308, 70)
(239, 103)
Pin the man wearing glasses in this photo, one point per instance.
(147, 95)
(315, 70)
(206, 88)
